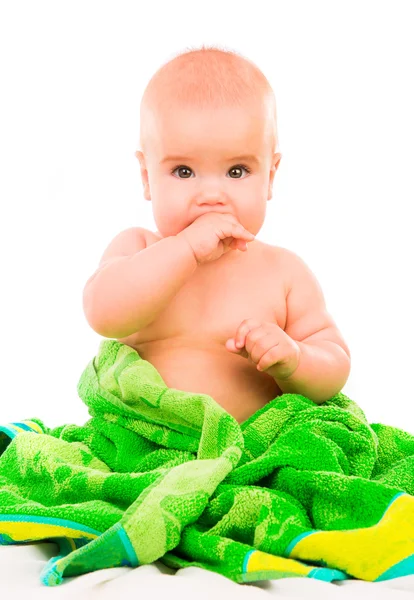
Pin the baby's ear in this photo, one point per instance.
(144, 174)
(273, 168)
(276, 161)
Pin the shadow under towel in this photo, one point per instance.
(156, 473)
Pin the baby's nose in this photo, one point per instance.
(212, 197)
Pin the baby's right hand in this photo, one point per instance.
(213, 234)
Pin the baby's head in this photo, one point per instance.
(208, 137)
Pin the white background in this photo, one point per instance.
(72, 75)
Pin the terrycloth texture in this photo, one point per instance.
(297, 490)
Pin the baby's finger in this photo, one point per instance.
(240, 232)
(240, 341)
(241, 243)
(244, 331)
(230, 345)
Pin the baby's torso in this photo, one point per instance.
(186, 343)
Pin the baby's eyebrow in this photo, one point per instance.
(245, 157)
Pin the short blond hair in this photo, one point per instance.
(207, 77)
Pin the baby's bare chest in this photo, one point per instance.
(186, 343)
(212, 304)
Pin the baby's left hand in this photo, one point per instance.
(268, 346)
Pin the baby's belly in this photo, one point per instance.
(230, 379)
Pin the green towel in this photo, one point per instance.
(297, 490)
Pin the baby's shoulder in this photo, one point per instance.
(273, 262)
(285, 255)
(288, 264)
(278, 255)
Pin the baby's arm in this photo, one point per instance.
(325, 359)
(134, 283)
(308, 319)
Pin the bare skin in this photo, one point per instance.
(186, 343)
(199, 156)
(218, 155)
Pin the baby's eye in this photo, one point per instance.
(184, 169)
(238, 168)
(181, 169)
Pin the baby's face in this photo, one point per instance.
(201, 159)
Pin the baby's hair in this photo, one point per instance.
(210, 76)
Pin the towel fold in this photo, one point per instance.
(156, 473)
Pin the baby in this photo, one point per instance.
(215, 310)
